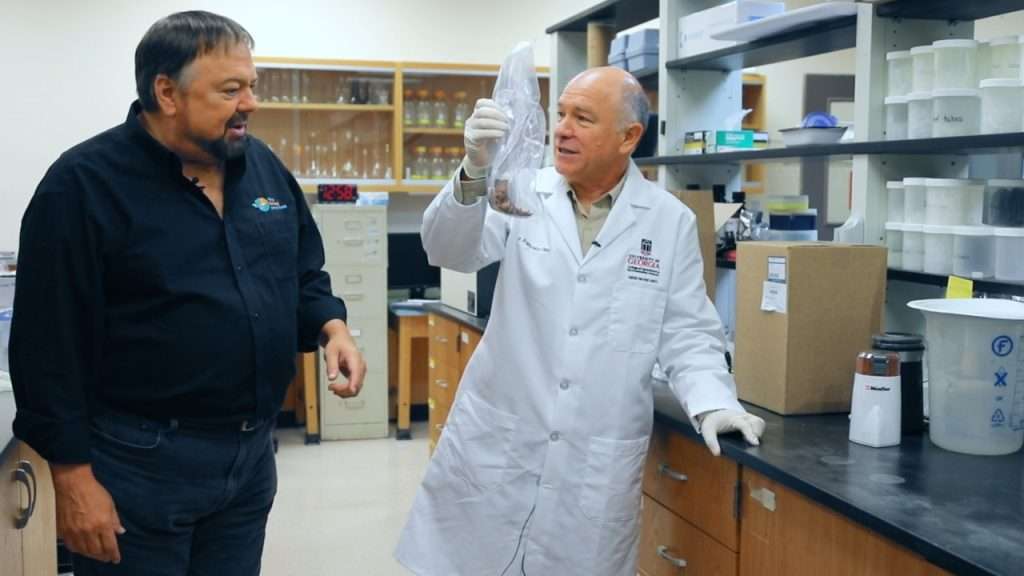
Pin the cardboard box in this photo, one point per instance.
(702, 203)
(714, 141)
(695, 29)
(804, 311)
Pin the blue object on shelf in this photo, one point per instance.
(819, 120)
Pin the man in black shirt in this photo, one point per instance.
(169, 271)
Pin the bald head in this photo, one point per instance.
(626, 93)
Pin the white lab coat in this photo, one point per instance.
(553, 415)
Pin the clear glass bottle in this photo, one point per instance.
(424, 109)
(309, 165)
(462, 110)
(307, 87)
(420, 164)
(409, 109)
(388, 173)
(347, 168)
(440, 110)
(438, 166)
(454, 160)
(334, 162)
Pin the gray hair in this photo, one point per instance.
(635, 105)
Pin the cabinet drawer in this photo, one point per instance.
(671, 546)
(684, 477)
(364, 290)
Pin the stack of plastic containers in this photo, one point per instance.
(1004, 212)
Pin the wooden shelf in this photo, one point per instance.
(327, 107)
(420, 186)
(621, 14)
(947, 9)
(435, 131)
(811, 40)
(985, 143)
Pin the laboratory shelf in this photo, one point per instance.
(434, 131)
(327, 107)
(811, 40)
(978, 144)
(621, 14)
(990, 287)
(947, 9)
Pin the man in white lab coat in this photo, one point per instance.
(538, 471)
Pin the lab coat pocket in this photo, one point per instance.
(612, 479)
(636, 317)
(480, 441)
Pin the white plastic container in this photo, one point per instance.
(913, 247)
(894, 242)
(1001, 105)
(956, 112)
(952, 202)
(894, 192)
(984, 61)
(895, 117)
(1004, 203)
(938, 250)
(955, 64)
(975, 350)
(1009, 254)
(919, 115)
(900, 73)
(923, 66)
(914, 194)
(974, 252)
(1004, 58)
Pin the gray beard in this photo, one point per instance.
(224, 150)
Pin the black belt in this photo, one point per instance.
(248, 425)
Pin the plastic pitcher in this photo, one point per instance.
(975, 360)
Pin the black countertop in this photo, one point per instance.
(962, 513)
(458, 315)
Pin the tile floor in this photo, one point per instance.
(341, 505)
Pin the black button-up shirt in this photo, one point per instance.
(133, 295)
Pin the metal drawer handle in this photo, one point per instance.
(439, 426)
(664, 470)
(353, 241)
(26, 475)
(442, 339)
(442, 383)
(677, 562)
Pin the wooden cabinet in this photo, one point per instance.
(670, 546)
(384, 126)
(783, 532)
(451, 345)
(28, 525)
(685, 478)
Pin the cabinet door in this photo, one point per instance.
(671, 546)
(469, 339)
(39, 538)
(783, 532)
(684, 477)
(10, 506)
(443, 369)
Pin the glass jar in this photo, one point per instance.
(424, 109)
(462, 110)
(438, 165)
(440, 109)
(454, 159)
(410, 109)
(420, 164)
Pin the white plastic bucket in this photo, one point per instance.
(938, 250)
(975, 350)
(894, 193)
(924, 68)
(896, 118)
(974, 252)
(956, 112)
(954, 202)
(914, 193)
(894, 242)
(1001, 105)
(956, 64)
(1004, 58)
(1009, 251)
(919, 115)
(913, 247)
(900, 72)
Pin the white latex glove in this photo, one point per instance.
(719, 421)
(487, 125)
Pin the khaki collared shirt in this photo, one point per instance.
(589, 220)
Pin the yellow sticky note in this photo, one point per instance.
(959, 287)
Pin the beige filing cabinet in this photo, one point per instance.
(356, 249)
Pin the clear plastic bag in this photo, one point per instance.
(520, 154)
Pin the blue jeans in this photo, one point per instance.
(194, 502)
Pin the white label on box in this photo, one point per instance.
(777, 269)
(773, 299)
